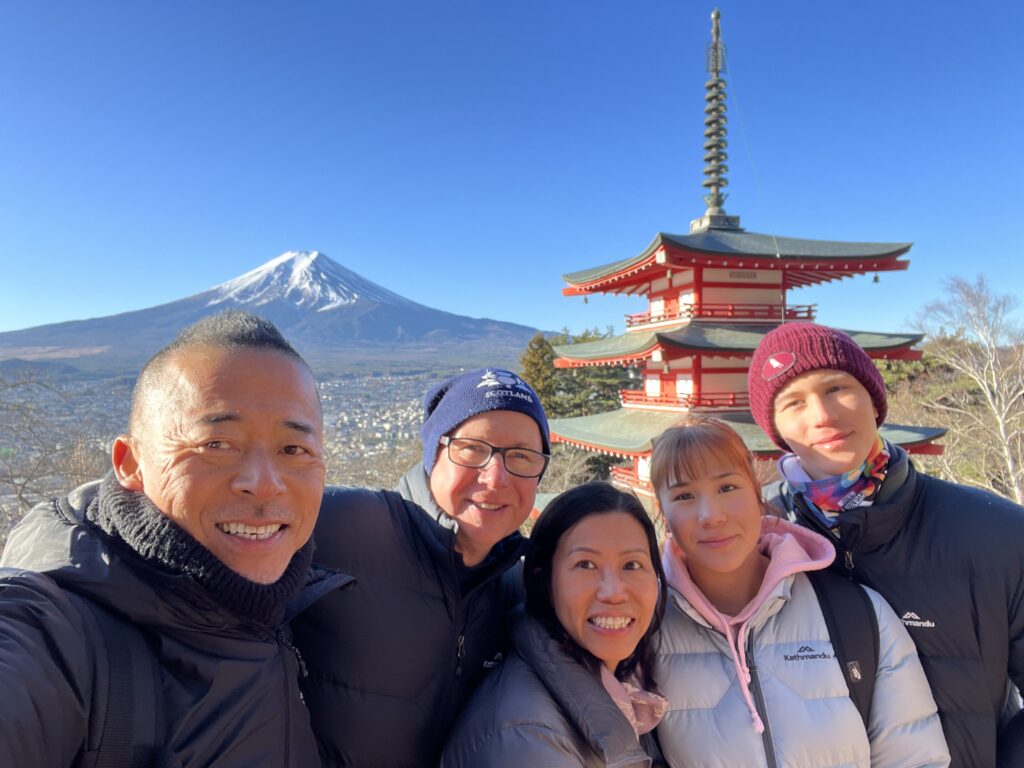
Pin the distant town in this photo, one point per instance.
(371, 425)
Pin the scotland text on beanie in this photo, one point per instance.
(461, 397)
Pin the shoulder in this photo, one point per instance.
(355, 518)
(30, 588)
(45, 537)
(964, 524)
(512, 720)
(963, 500)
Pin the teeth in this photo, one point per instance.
(256, 532)
(488, 507)
(611, 622)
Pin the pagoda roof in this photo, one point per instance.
(725, 339)
(773, 251)
(630, 432)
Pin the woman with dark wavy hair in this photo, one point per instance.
(577, 688)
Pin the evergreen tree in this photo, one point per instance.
(539, 370)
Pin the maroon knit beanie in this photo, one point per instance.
(793, 349)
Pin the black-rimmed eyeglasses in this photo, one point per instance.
(469, 452)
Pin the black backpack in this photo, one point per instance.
(849, 616)
(124, 711)
(853, 630)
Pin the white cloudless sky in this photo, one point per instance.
(466, 154)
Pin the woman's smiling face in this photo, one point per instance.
(714, 517)
(603, 585)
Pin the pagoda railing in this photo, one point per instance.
(627, 476)
(703, 400)
(726, 312)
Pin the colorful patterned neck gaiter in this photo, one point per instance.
(832, 495)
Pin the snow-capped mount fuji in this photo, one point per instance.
(307, 279)
(327, 311)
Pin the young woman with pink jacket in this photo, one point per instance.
(745, 660)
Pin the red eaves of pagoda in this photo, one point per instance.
(796, 272)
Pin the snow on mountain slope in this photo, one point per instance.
(307, 279)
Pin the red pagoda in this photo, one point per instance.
(712, 295)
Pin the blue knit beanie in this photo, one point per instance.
(461, 397)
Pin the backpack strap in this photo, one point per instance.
(853, 629)
(122, 729)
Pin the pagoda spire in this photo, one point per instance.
(715, 142)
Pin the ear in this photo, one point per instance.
(675, 548)
(127, 468)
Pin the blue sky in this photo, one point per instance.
(468, 153)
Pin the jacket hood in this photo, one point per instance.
(415, 486)
(790, 549)
(54, 538)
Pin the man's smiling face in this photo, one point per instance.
(231, 449)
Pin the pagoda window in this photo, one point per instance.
(652, 385)
(643, 468)
(684, 385)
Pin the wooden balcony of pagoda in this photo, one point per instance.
(749, 312)
(702, 400)
(627, 476)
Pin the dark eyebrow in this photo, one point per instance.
(592, 551)
(219, 418)
(719, 476)
(222, 418)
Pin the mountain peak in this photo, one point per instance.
(307, 279)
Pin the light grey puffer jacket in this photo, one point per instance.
(541, 709)
(797, 686)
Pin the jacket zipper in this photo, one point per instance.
(298, 656)
(755, 684)
(460, 654)
(282, 640)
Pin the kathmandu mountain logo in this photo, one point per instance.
(805, 653)
(911, 619)
(777, 364)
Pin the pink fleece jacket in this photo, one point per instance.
(791, 549)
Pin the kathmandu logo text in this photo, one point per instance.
(805, 653)
(911, 619)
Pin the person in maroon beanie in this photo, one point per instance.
(948, 558)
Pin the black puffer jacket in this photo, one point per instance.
(228, 686)
(393, 657)
(950, 561)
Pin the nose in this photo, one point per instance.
(820, 409)
(710, 512)
(494, 473)
(258, 476)
(612, 588)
